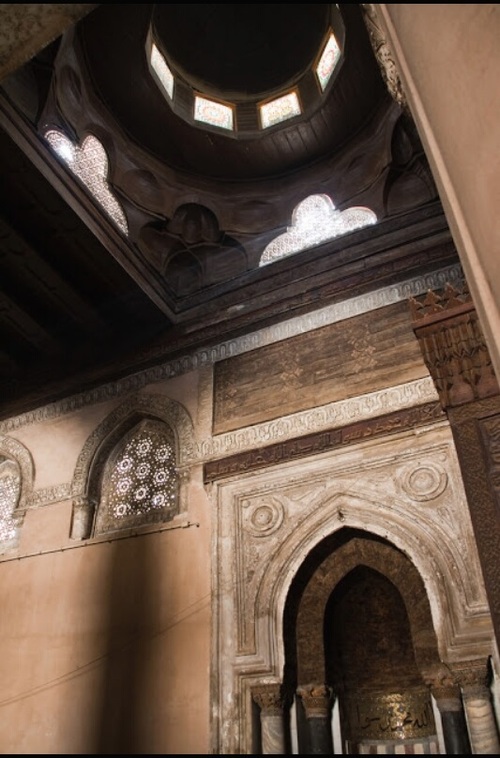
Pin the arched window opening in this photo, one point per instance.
(162, 71)
(10, 492)
(316, 220)
(140, 482)
(90, 164)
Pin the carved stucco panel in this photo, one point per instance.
(407, 489)
(208, 356)
(331, 415)
(410, 498)
(418, 493)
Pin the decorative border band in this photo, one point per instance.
(323, 418)
(320, 442)
(210, 355)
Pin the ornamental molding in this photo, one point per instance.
(384, 55)
(16, 451)
(274, 512)
(331, 416)
(212, 354)
(453, 345)
(49, 495)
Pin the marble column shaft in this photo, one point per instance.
(270, 699)
(478, 705)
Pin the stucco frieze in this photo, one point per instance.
(210, 355)
(406, 489)
(49, 495)
(330, 416)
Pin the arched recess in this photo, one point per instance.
(137, 410)
(17, 473)
(463, 630)
(356, 549)
(358, 623)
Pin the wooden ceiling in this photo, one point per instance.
(81, 303)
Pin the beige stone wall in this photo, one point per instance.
(106, 642)
(448, 59)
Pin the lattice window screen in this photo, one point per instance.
(140, 482)
(10, 490)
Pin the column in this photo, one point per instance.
(317, 700)
(271, 701)
(82, 517)
(446, 692)
(473, 679)
(451, 709)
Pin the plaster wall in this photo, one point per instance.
(448, 58)
(106, 641)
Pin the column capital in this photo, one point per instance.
(472, 676)
(270, 698)
(317, 699)
(444, 687)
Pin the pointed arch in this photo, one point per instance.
(132, 469)
(383, 558)
(16, 486)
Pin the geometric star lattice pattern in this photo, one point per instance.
(90, 164)
(316, 220)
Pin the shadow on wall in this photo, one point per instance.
(127, 693)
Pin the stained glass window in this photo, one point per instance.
(316, 220)
(162, 71)
(213, 113)
(10, 490)
(90, 164)
(327, 62)
(140, 484)
(281, 109)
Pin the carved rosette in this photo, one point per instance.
(424, 482)
(264, 518)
